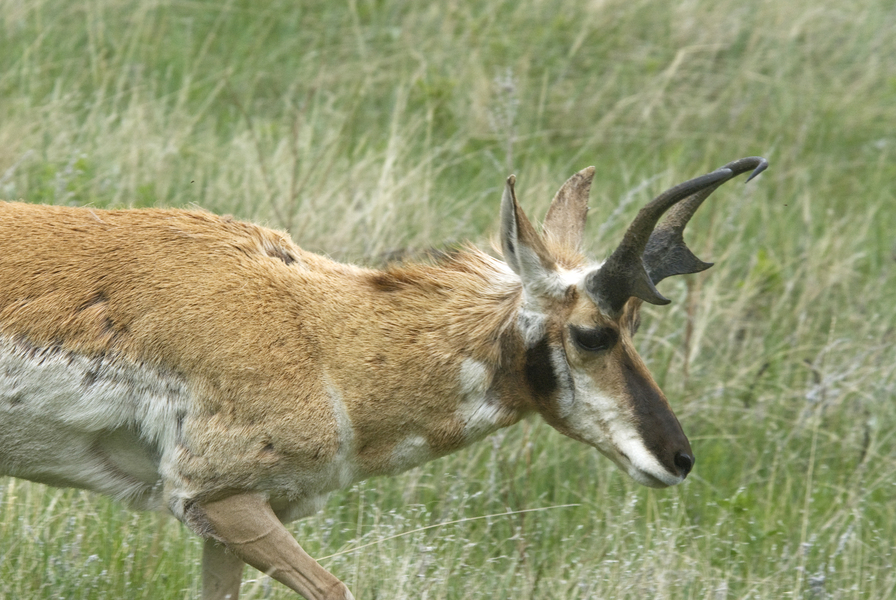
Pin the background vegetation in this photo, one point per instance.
(370, 127)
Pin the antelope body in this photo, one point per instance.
(182, 361)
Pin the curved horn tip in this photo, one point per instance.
(511, 181)
(653, 297)
(662, 301)
(643, 288)
(762, 166)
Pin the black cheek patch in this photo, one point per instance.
(540, 373)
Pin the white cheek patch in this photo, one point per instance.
(607, 424)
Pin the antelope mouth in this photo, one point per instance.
(652, 476)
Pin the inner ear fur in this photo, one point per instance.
(522, 246)
(631, 314)
(564, 224)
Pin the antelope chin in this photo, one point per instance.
(652, 481)
(648, 475)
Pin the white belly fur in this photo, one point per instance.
(102, 424)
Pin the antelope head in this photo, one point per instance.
(577, 320)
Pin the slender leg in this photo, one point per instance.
(222, 572)
(247, 525)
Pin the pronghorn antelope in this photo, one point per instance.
(182, 361)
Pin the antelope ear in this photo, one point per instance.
(565, 221)
(524, 250)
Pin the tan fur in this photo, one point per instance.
(228, 376)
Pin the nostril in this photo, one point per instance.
(684, 462)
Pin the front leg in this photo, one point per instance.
(247, 525)
(222, 572)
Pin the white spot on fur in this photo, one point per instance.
(410, 452)
(551, 283)
(574, 277)
(479, 411)
(474, 377)
(343, 463)
(531, 326)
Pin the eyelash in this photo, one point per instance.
(594, 340)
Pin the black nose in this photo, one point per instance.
(684, 462)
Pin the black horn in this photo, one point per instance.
(631, 270)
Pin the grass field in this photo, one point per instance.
(370, 128)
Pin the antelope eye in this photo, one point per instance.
(594, 340)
